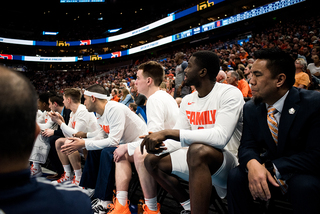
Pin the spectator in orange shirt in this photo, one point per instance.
(302, 78)
(232, 60)
(233, 79)
(114, 94)
(243, 55)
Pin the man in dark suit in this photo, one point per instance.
(280, 146)
(56, 105)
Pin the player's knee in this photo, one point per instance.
(59, 142)
(199, 154)
(138, 157)
(151, 163)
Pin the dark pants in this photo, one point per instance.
(303, 193)
(99, 173)
(55, 162)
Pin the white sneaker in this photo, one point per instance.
(35, 172)
(62, 179)
(97, 207)
(75, 181)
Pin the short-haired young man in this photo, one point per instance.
(120, 126)
(44, 121)
(207, 128)
(43, 106)
(162, 111)
(18, 192)
(280, 149)
(56, 105)
(80, 120)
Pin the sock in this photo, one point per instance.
(67, 169)
(186, 205)
(78, 174)
(151, 203)
(105, 203)
(122, 197)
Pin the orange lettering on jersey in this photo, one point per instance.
(73, 124)
(192, 118)
(105, 128)
(188, 114)
(201, 127)
(213, 116)
(202, 117)
(45, 120)
(208, 118)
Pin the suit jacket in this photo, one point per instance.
(298, 149)
(66, 117)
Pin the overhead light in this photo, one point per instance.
(49, 33)
(114, 30)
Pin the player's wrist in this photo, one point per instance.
(172, 134)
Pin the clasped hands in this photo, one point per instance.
(73, 144)
(56, 117)
(259, 177)
(153, 142)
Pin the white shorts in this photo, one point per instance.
(219, 179)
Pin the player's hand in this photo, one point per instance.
(258, 177)
(143, 136)
(72, 145)
(48, 132)
(55, 117)
(80, 135)
(120, 152)
(154, 142)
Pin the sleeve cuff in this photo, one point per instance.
(183, 138)
(90, 134)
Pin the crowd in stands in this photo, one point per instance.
(300, 38)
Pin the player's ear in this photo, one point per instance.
(203, 72)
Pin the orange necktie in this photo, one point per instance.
(272, 123)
